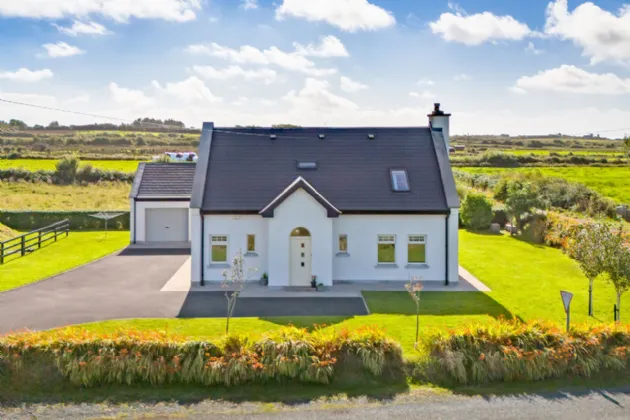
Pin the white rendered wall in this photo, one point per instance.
(195, 245)
(443, 122)
(140, 220)
(236, 227)
(362, 262)
(300, 210)
(453, 246)
(132, 220)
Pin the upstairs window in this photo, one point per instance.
(400, 181)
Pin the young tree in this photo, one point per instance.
(522, 198)
(234, 280)
(414, 287)
(617, 264)
(626, 145)
(587, 249)
(476, 211)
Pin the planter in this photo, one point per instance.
(314, 282)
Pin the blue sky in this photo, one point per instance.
(499, 66)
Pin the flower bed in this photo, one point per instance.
(134, 357)
(513, 351)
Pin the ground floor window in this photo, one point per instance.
(386, 249)
(251, 243)
(219, 245)
(417, 249)
(343, 243)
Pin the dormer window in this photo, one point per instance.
(400, 181)
(307, 165)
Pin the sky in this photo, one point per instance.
(513, 67)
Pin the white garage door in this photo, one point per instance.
(167, 225)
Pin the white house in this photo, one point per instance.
(342, 204)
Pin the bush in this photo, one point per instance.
(153, 358)
(79, 220)
(477, 211)
(66, 170)
(513, 351)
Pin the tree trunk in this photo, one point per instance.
(590, 297)
(618, 307)
(417, 322)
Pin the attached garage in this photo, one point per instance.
(159, 202)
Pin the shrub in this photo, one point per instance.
(476, 211)
(514, 351)
(66, 170)
(152, 358)
(79, 220)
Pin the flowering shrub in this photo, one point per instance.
(511, 350)
(131, 357)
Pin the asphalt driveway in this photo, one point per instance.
(127, 285)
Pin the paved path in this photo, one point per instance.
(127, 285)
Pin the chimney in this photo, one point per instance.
(438, 119)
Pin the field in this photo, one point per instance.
(41, 196)
(525, 280)
(610, 182)
(77, 249)
(49, 164)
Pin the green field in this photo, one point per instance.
(55, 257)
(42, 196)
(525, 280)
(541, 152)
(613, 182)
(49, 164)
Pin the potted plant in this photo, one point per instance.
(314, 282)
(264, 279)
(320, 287)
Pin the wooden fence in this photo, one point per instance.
(34, 240)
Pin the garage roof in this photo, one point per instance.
(163, 181)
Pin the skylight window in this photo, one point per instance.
(400, 182)
(307, 165)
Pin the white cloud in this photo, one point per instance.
(531, 48)
(266, 102)
(242, 100)
(329, 46)
(249, 4)
(265, 75)
(423, 95)
(478, 28)
(517, 90)
(251, 55)
(349, 85)
(602, 35)
(190, 90)
(26, 75)
(119, 10)
(348, 15)
(80, 99)
(83, 28)
(426, 82)
(568, 78)
(62, 49)
(462, 77)
(316, 96)
(130, 97)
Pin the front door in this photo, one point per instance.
(300, 262)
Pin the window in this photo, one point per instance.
(343, 243)
(219, 248)
(386, 249)
(307, 165)
(400, 182)
(417, 249)
(251, 243)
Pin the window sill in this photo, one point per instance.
(218, 265)
(250, 254)
(417, 266)
(342, 254)
(386, 265)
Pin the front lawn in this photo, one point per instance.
(77, 249)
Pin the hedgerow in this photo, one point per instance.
(79, 219)
(134, 357)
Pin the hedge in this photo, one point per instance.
(79, 220)
(85, 174)
(153, 358)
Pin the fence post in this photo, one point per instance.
(22, 247)
(39, 240)
(67, 229)
(1, 252)
(55, 233)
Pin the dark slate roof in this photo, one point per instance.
(247, 169)
(163, 180)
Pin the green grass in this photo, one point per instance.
(611, 182)
(7, 233)
(525, 280)
(56, 257)
(49, 164)
(42, 196)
